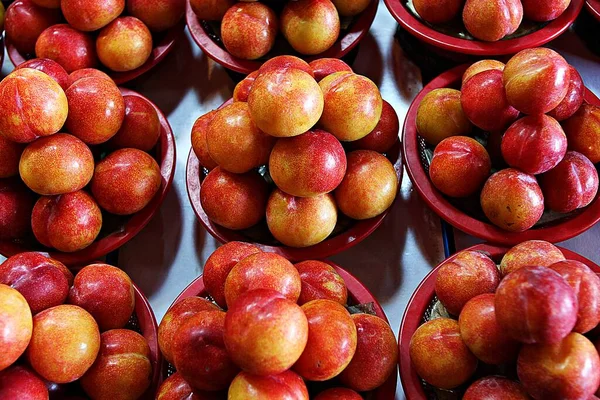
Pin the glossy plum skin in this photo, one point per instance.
(51, 68)
(572, 184)
(338, 394)
(308, 165)
(492, 20)
(460, 166)
(125, 44)
(536, 305)
(385, 135)
(544, 10)
(265, 333)
(469, 274)
(199, 144)
(88, 73)
(438, 12)
(24, 22)
(158, 15)
(284, 61)
(19, 382)
(67, 46)
(211, 10)
(480, 66)
(220, 263)
(16, 204)
(17, 325)
(440, 356)
(441, 115)
(91, 15)
(536, 80)
(106, 292)
(287, 385)
(43, 282)
(324, 67)
(234, 201)
(573, 99)
(496, 388)
(248, 30)
(140, 128)
(531, 252)
(242, 89)
(320, 281)
(569, 369)
(534, 144)
(10, 153)
(176, 388)
(310, 26)
(512, 200)
(582, 130)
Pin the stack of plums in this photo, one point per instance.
(115, 33)
(71, 332)
(538, 311)
(249, 28)
(539, 126)
(294, 117)
(271, 328)
(44, 170)
(490, 20)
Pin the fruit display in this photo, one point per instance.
(68, 335)
(125, 38)
(309, 158)
(510, 148)
(522, 329)
(75, 166)
(257, 325)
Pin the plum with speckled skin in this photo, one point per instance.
(496, 388)
(124, 45)
(57, 164)
(286, 385)
(320, 281)
(67, 46)
(369, 187)
(572, 184)
(122, 370)
(88, 73)
(17, 325)
(353, 105)
(176, 388)
(323, 67)
(512, 200)
(469, 274)
(199, 352)
(437, 12)
(10, 154)
(220, 263)
(234, 201)
(176, 316)
(583, 132)
(440, 115)
(19, 382)
(285, 102)
(572, 100)
(64, 343)
(439, 354)
(16, 204)
(96, 110)
(234, 141)
(91, 15)
(43, 282)
(126, 181)
(262, 271)
(338, 394)
(34, 105)
(211, 10)
(158, 15)
(51, 68)
(285, 61)
(384, 136)
(106, 293)
(310, 26)
(308, 165)
(460, 166)
(248, 30)
(531, 252)
(544, 10)
(68, 222)
(24, 22)
(376, 354)
(536, 305)
(265, 333)
(492, 20)
(199, 144)
(480, 66)
(350, 8)
(534, 144)
(301, 221)
(242, 89)
(48, 3)
(140, 128)
(482, 334)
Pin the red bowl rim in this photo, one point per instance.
(418, 304)
(136, 222)
(593, 6)
(159, 52)
(427, 34)
(356, 290)
(343, 45)
(483, 230)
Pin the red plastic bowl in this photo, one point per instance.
(427, 33)
(421, 300)
(165, 155)
(357, 294)
(553, 232)
(593, 6)
(357, 30)
(166, 43)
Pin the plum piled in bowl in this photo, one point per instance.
(242, 35)
(256, 325)
(524, 329)
(304, 161)
(124, 38)
(82, 170)
(66, 336)
(507, 152)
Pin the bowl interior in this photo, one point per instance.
(593, 6)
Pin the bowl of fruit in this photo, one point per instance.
(326, 333)
(243, 35)
(485, 27)
(259, 171)
(522, 329)
(487, 160)
(124, 38)
(82, 194)
(593, 6)
(73, 337)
